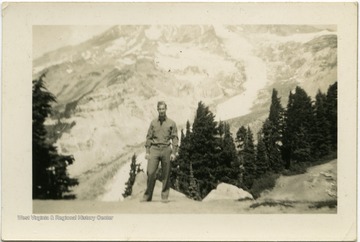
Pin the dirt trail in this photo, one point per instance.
(319, 183)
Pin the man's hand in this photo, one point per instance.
(147, 156)
(172, 157)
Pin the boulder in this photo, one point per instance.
(226, 191)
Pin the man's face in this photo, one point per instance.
(162, 110)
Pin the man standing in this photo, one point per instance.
(161, 135)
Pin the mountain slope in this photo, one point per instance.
(109, 85)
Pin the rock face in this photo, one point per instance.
(227, 191)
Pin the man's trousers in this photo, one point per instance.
(158, 154)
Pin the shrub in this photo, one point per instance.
(296, 169)
(134, 170)
(267, 182)
(321, 204)
(273, 204)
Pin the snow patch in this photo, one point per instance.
(86, 55)
(180, 56)
(135, 48)
(126, 61)
(117, 45)
(153, 33)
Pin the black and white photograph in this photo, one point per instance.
(226, 119)
(184, 119)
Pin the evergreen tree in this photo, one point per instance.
(204, 149)
(331, 107)
(175, 167)
(230, 154)
(276, 112)
(322, 139)
(181, 166)
(228, 167)
(221, 129)
(240, 137)
(188, 131)
(50, 178)
(240, 141)
(298, 132)
(182, 136)
(134, 170)
(193, 185)
(249, 159)
(272, 133)
(273, 145)
(262, 160)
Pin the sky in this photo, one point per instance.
(51, 37)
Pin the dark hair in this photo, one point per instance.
(161, 103)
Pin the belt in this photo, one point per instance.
(160, 145)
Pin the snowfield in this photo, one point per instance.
(239, 48)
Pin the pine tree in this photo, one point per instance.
(180, 169)
(182, 136)
(249, 159)
(193, 185)
(134, 170)
(322, 139)
(204, 149)
(276, 111)
(240, 137)
(272, 133)
(228, 167)
(175, 167)
(50, 178)
(331, 98)
(188, 126)
(240, 141)
(231, 154)
(298, 132)
(262, 159)
(200, 149)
